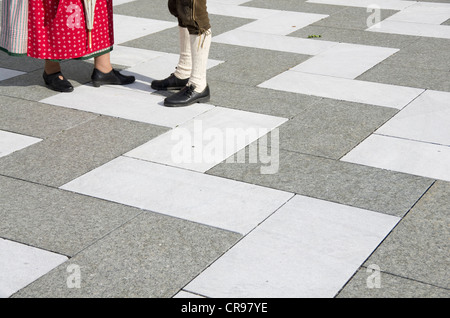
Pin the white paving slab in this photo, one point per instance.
(426, 119)
(423, 12)
(345, 60)
(282, 23)
(382, 4)
(229, 2)
(414, 29)
(308, 248)
(408, 156)
(159, 67)
(7, 73)
(129, 56)
(226, 8)
(11, 142)
(273, 42)
(343, 89)
(130, 104)
(219, 202)
(21, 264)
(127, 28)
(119, 2)
(208, 139)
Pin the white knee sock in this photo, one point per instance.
(184, 67)
(200, 45)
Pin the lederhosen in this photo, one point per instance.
(191, 14)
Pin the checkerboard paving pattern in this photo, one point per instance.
(140, 200)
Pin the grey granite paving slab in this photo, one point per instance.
(31, 86)
(162, 41)
(418, 246)
(168, 40)
(353, 18)
(391, 286)
(250, 66)
(36, 119)
(56, 220)
(23, 64)
(65, 156)
(429, 45)
(259, 100)
(150, 256)
(331, 128)
(354, 36)
(156, 9)
(294, 5)
(431, 60)
(341, 182)
(408, 76)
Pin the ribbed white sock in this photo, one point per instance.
(184, 67)
(200, 45)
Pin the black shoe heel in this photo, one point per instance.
(112, 78)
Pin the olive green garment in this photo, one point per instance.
(191, 14)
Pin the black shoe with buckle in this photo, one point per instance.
(170, 83)
(57, 82)
(187, 96)
(112, 78)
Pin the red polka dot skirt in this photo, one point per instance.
(57, 29)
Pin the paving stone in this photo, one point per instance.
(354, 18)
(354, 185)
(150, 256)
(11, 142)
(124, 251)
(22, 264)
(142, 9)
(408, 156)
(168, 40)
(37, 119)
(65, 156)
(32, 86)
(408, 76)
(56, 220)
(279, 258)
(245, 66)
(331, 128)
(259, 100)
(218, 202)
(418, 247)
(24, 64)
(294, 5)
(391, 286)
(356, 36)
(437, 60)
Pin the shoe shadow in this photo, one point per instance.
(22, 77)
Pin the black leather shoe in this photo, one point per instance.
(112, 78)
(187, 96)
(54, 82)
(170, 83)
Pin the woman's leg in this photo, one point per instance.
(103, 63)
(54, 79)
(52, 67)
(105, 74)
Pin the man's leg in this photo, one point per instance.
(184, 67)
(196, 19)
(200, 45)
(180, 77)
